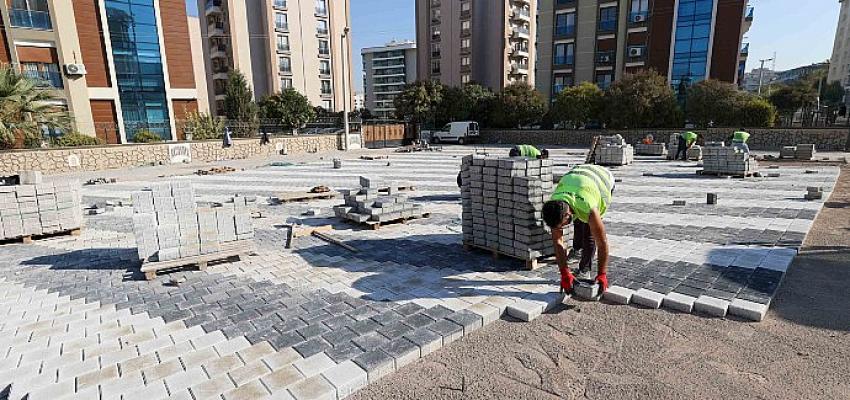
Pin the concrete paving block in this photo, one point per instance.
(346, 378)
(282, 378)
(249, 372)
(315, 388)
(487, 312)
(314, 365)
(211, 389)
(711, 306)
(548, 299)
(525, 310)
(427, 340)
(184, 380)
(222, 365)
(249, 391)
(679, 302)
(377, 364)
(403, 351)
(747, 309)
(648, 298)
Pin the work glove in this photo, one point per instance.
(602, 280)
(567, 280)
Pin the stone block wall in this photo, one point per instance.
(772, 139)
(96, 158)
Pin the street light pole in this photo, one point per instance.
(346, 128)
(761, 72)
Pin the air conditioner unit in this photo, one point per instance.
(605, 59)
(638, 18)
(636, 51)
(75, 69)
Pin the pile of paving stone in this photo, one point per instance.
(728, 160)
(799, 152)
(695, 153)
(654, 149)
(502, 200)
(36, 207)
(368, 204)
(613, 150)
(168, 224)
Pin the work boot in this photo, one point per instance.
(584, 274)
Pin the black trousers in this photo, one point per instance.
(583, 239)
(682, 149)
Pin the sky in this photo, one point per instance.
(799, 33)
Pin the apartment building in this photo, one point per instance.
(600, 40)
(118, 66)
(279, 44)
(489, 42)
(839, 63)
(386, 70)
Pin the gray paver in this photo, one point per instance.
(376, 363)
(346, 377)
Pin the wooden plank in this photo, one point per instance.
(229, 249)
(29, 239)
(290, 197)
(335, 241)
(529, 264)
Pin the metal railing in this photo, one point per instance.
(565, 30)
(30, 19)
(608, 26)
(564, 60)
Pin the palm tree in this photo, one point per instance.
(25, 108)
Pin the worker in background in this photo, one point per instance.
(581, 198)
(739, 140)
(649, 139)
(686, 141)
(527, 150)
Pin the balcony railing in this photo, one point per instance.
(321, 31)
(213, 4)
(564, 60)
(279, 3)
(322, 11)
(30, 19)
(745, 49)
(282, 47)
(324, 71)
(749, 15)
(324, 51)
(608, 26)
(326, 91)
(45, 78)
(605, 57)
(285, 69)
(435, 54)
(281, 26)
(565, 30)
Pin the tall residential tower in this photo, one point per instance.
(386, 70)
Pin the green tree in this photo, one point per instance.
(418, 101)
(713, 101)
(791, 98)
(578, 105)
(641, 100)
(289, 109)
(239, 106)
(25, 108)
(517, 105)
(832, 93)
(753, 112)
(463, 103)
(203, 126)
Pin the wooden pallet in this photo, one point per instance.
(239, 249)
(744, 175)
(373, 158)
(375, 225)
(28, 239)
(291, 197)
(529, 264)
(400, 188)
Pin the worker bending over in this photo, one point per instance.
(649, 139)
(581, 198)
(527, 150)
(739, 140)
(686, 141)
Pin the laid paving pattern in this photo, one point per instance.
(319, 321)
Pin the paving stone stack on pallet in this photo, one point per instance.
(613, 150)
(805, 152)
(502, 201)
(655, 149)
(695, 153)
(39, 208)
(367, 204)
(168, 225)
(720, 159)
(787, 152)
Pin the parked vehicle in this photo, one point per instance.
(460, 132)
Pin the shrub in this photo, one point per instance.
(756, 112)
(32, 140)
(578, 104)
(74, 139)
(7, 139)
(146, 136)
(203, 126)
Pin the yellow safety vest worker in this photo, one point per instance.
(584, 188)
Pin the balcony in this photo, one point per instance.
(636, 53)
(745, 50)
(519, 69)
(435, 54)
(521, 14)
(281, 48)
(749, 15)
(322, 31)
(521, 2)
(565, 30)
(327, 92)
(30, 19)
(45, 79)
(218, 51)
(284, 69)
(519, 51)
(607, 26)
(324, 52)
(435, 38)
(605, 57)
(520, 32)
(220, 72)
(213, 7)
(281, 27)
(465, 14)
(216, 29)
(321, 11)
(280, 4)
(465, 32)
(563, 60)
(638, 18)
(324, 71)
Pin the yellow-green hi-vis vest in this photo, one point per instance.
(527, 150)
(584, 188)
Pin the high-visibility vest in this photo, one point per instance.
(740, 137)
(689, 137)
(527, 150)
(584, 188)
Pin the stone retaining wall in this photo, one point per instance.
(95, 158)
(825, 139)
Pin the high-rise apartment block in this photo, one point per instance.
(279, 44)
(386, 70)
(839, 64)
(598, 40)
(489, 42)
(118, 66)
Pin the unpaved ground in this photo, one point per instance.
(600, 351)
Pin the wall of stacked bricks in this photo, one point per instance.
(825, 139)
(728, 160)
(96, 158)
(39, 208)
(502, 202)
(368, 204)
(613, 150)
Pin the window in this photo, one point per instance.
(324, 67)
(326, 86)
(435, 67)
(565, 24)
(285, 83)
(564, 54)
(280, 3)
(464, 43)
(285, 65)
(327, 105)
(464, 79)
(281, 22)
(639, 11)
(435, 50)
(465, 6)
(561, 82)
(34, 14)
(608, 19)
(322, 27)
(324, 48)
(435, 33)
(282, 43)
(604, 79)
(44, 74)
(321, 7)
(690, 53)
(465, 60)
(466, 25)
(435, 14)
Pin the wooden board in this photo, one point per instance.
(230, 249)
(372, 158)
(28, 239)
(744, 175)
(529, 264)
(400, 188)
(290, 197)
(375, 225)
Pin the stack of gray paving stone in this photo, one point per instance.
(720, 159)
(813, 193)
(655, 149)
(613, 150)
(788, 152)
(502, 201)
(695, 152)
(673, 145)
(168, 225)
(39, 208)
(368, 204)
(804, 152)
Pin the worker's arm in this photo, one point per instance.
(561, 254)
(597, 229)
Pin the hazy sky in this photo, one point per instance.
(800, 32)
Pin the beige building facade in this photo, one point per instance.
(279, 44)
(489, 42)
(839, 63)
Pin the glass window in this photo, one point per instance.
(285, 83)
(564, 53)
(322, 27)
(324, 67)
(324, 48)
(464, 44)
(285, 64)
(435, 67)
(327, 105)
(604, 79)
(464, 78)
(321, 7)
(465, 6)
(465, 60)
(326, 87)
(639, 6)
(561, 82)
(283, 43)
(280, 21)
(465, 25)
(608, 19)
(690, 51)
(565, 24)
(435, 49)
(435, 32)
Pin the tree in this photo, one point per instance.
(578, 104)
(25, 109)
(517, 105)
(418, 101)
(713, 101)
(641, 100)
(790, 98)
(239, 106)
(753, 111)
(289, 109)
(203, 126)
(463, 103)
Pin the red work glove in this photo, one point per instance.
(602, 280)
(567, 280)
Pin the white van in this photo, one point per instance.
(461, 132)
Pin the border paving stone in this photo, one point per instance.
(679, 302)
(376, 363)
(314, 388)
(747, 310)
(346, 378)
(647, 298)
(711, 306)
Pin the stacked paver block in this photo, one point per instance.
(39, 208)
(613, 150)
(787, 152)
(804, 152)
(814, 193)
(168, 225)
(654, 149)
(695, 152)
(368, 204)
(720, 159)
(502, 201)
